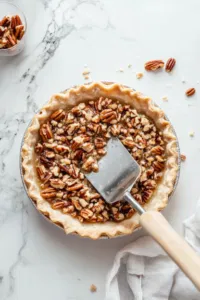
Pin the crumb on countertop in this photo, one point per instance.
(139, 75)
(93, 288)
(191, 133)
(183, 157)
(129, 66)
(86, 71)
(164, 98)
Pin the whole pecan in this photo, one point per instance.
(190, 92)
(153, 65)
(170, 64)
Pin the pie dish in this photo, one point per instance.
(68, 137)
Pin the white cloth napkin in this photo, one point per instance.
(142, 270)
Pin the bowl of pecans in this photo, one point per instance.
(12, 29)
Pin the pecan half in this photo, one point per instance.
(58, 115)
(18, 30)
(58, 205)
(190, 92)
(75, 187)
(45, 132)
(153, 65)
(86, 213)
(18, 20)
(5, 21)
(170, 64)
(108, 115)
(48, 193)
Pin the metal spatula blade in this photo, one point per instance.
(117, 173)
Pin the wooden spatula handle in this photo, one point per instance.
(177, 248)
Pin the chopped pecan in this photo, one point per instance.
(158, 150)
(119, 217)
(49, 154)
(158, 166)
(88, 147)
(72, 128)
(128, 142)
(75, 201)
(39, 148)
(83, 202)
(87, 165)
(69, 209)
(61, 149)
(99, 142)
(77, 155)
(146, 195)
(41, 170)
(116, 129)
(57, 183)
(46, 161)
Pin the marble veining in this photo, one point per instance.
(37, 261)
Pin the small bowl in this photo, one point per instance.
(6, 9)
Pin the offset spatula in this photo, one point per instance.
(118, 172)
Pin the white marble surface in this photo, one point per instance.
(37, 261)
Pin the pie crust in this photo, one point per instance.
(67, 100)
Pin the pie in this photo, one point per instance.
(68, 137)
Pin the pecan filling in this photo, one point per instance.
(73, 141)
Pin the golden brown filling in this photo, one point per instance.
(73, 141)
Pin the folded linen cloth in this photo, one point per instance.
(143, 271)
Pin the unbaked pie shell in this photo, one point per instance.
(67, 100)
